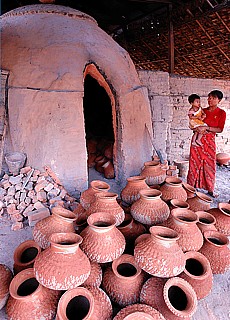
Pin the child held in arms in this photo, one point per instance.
(196, 116)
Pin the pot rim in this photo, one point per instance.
(126, 259)
(203, 196)
(202, 260)
(21, 249)
(217, 235)
(222, 206)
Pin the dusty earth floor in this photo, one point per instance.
(214, 307)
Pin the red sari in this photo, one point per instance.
(202, 161)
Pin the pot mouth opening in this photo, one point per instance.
(216, 240)
(203, 197)
(163, 233)
(99, 185)
(27, 287)
(28, 255)
(126, 270)
(101, 224)
(136, 178)
(78, 308)
(178, 298)
(194, 267)
(225, 208)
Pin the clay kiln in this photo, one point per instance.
(51, 53)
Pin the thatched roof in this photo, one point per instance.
(198, 44)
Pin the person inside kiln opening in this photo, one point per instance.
(196, 116)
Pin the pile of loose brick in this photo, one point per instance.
(29, 196)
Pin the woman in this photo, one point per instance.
(202, 161)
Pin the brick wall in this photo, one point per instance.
(168, 97)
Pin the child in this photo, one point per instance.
(196, 117)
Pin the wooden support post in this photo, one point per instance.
(171, 40)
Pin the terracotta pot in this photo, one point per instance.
(198, 273)
(61, 220)
(190, 190)
(222, 158)
(30, 300)
(84, 303)
(138, 312)
(173, 189)
(161, 248)
(206, 221)
(107, 202)
(215, 249)
(123, 281)
(95, 277)
(25, 254)
(154, 172)
(131, 229)
(100, 161)
(222, 216)
(108, 169)
(6, 276)
(178, 204)
(15, 161)
(87, 196)
(201, 202)
(175, 298)
(184, 223)
(130, 193)
(150, 208)
(102, 241)
(63, 265)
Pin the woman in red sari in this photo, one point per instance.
(202, 161)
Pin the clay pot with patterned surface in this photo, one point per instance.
(95, 277)
(173, 189)
(87, 196)
(30, 300)
(131, 229)
(184, 223)
(25, 254)
(102, 241)
(6, 276)
(178, 204)
(63, 265)
(130, 193)
(138, 311)
(206, 221)
(150, 208)
(84, 303)
(198, 273)
(174, 298)
(222, 216)
(201, 202)
(159, 253)
(190, 190)
(61, 220)
(154, 172)
(215, 249)
(123, 281)
(107, 202)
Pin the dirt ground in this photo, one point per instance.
(214, 307)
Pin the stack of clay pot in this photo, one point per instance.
(148, 253)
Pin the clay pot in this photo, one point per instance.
(190, 190)
(108, 169)
(201, 202)
(175, 298)
(100, 161)
(222, 158)
(6, 277)
(130, 193)
(25, 254)
(84, 303)
(222, 216)
(159, 253)
(95, 277)
(30, 300)
(63, 265)
(183, 166)
(123, 281)
(206, 221)
(173, 189)
(150, 208)
(184, 223)
(198, 273)
(154, 172)
(15, 161)
(131, 229)
(215, 249)
(102, 241)
(107, 202)
(87, 196)
(61, 220)
(138, 312)
(178, 204)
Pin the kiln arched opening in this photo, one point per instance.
(98, 127)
